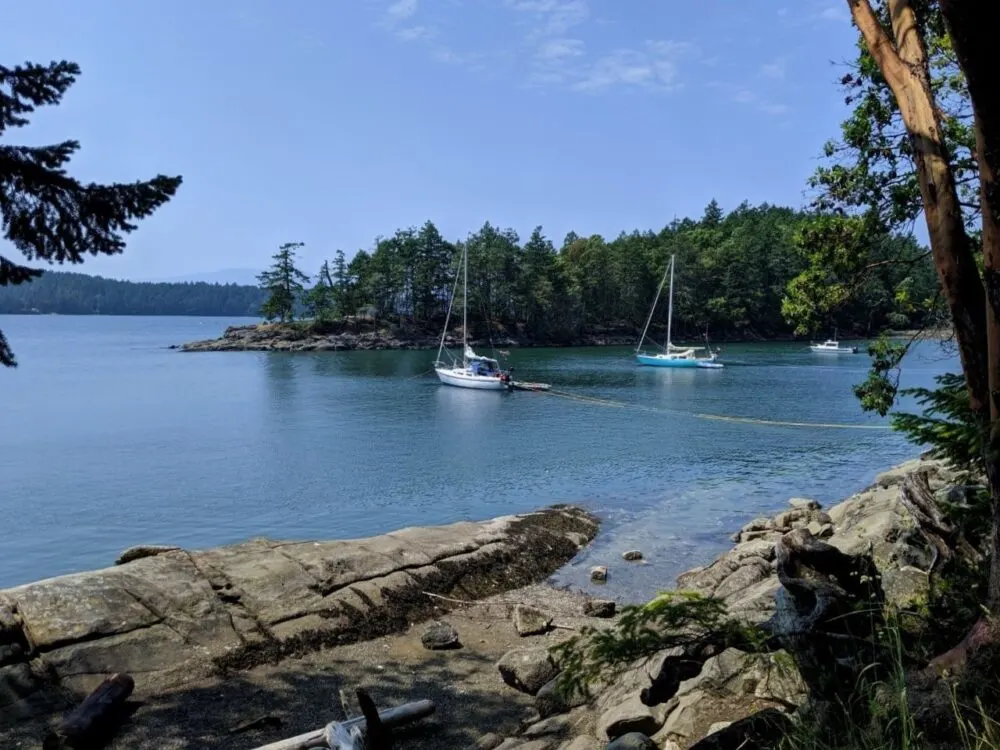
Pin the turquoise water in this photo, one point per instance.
(109, 439)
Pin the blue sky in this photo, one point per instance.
(333, 122)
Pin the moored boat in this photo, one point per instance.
(472, 371)
(673, 356)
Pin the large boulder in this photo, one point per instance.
(552, 699)
(629, 716)
(528, 669)
(439, 636)
(732, 685)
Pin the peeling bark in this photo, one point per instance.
(975, 310)
(903, 61)
(972, 26)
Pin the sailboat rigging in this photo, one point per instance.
(474, 371)
(672, 356)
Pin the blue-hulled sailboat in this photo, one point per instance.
(673, 356)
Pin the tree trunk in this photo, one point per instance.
(972, 26)
(903, 62)
(904, 65)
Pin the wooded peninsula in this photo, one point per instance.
(733, 273)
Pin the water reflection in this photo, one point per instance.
(280, 373)
(685, 377)
(467, 406)
(374, 364)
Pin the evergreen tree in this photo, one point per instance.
(341, 283)
(284, 282)
(46, 214)
(713, 214)
(321, 301)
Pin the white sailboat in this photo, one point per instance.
(474, 371)
(673, 356)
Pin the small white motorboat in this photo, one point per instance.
(832, 346)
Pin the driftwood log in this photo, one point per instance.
(918, 498)
(827, 611)
(354, 729)
(94, 717)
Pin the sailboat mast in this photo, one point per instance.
(465, 304)
(670, 308)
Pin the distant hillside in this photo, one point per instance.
(80, 294)
(241, 276)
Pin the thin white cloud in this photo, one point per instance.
(552, 17)
(774, 69)
(834, 13)
(401, 10)
(413, 33)
(652, 67)
(557, 49)
(748, 97)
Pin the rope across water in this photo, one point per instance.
(714, 417)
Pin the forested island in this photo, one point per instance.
(733, 275)
(57, 292)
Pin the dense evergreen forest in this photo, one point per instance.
(732, 274)
(79, 294)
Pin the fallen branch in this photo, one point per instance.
(390, 718)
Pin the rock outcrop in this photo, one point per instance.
(734, 698)
(359, 335)
(177, 615)
(745, 576)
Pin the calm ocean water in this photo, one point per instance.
(109, 439)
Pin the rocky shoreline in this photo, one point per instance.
(174, 616)
(293, 338)
(358, 336)
(253, 617)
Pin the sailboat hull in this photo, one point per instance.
(461, 378)
(651, 360)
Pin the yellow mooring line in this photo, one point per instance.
(714, 417)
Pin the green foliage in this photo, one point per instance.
(870, 182)
(853, 268)
(80, 294)
(732, 271)
(321, 300)
(876, 716)
(879, 390)
(947, 424)
(46, 214)
(870, 169)
(284, 284)
(674, 618)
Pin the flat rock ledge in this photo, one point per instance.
(176, 616)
